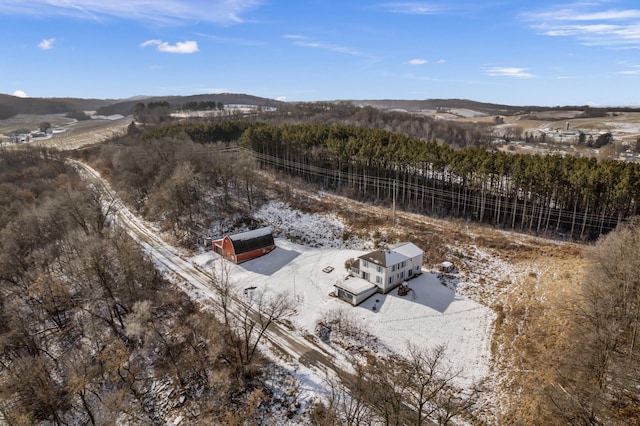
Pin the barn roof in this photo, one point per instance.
(249, 235)
(252, 240)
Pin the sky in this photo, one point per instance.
(509, 52)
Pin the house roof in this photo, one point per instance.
(408, 249)
(384, 258)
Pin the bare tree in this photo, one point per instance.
(256, 315)
(429, 377)
(596, 378)
(247, 319)
(346, 404)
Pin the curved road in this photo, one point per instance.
(290, 342)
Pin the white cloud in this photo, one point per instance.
(327, 46)
(294, 37)
(46, 44)
(591, 26)
(633, 72)
(233, 41)
(417, 62)
(411, 8)
(158, 11)
(19, 94)
(441, 61)
(281, 98)
(188, 46)
(509, 72)
(575, 13)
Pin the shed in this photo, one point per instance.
(245, 246)
(447, 267)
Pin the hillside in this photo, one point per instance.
(435, 104)
(125, 107)
(12, 105)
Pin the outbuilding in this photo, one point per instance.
(245, 246)
(447, 267)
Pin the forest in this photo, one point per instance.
(90, 331)
(561, 196)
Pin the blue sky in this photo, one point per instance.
(511, 52)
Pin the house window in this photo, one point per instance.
(410, 272)
(402, 275)
(379, 268)
(390, 278)
(394, 268)
(365, 264)
(378, 279)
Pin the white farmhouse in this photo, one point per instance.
(380, 271)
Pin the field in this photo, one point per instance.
(67, 133)
(561, 129)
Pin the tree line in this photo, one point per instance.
(202, 106)
(570, 197)
(578, 197)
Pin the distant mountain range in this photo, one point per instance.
(11, 105)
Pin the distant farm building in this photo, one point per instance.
(380, 271)
(239, 248)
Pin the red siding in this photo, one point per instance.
(225, 248)
(253, 254)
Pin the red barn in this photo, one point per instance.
(245, 246)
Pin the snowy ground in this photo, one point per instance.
(433, 314)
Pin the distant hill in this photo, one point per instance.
(483, 107)
(125, 107)
(434, 104)
(11, 105)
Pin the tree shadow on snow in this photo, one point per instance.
(270, 263)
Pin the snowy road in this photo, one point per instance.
(285, 340)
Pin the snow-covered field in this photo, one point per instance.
(433, 314)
